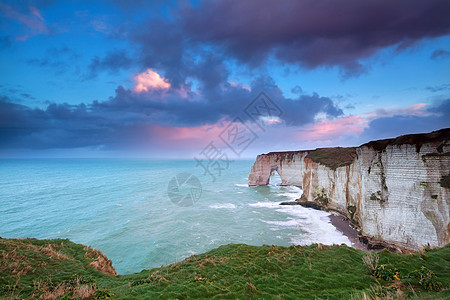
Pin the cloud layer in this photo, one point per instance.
(182, 65)
(128, 121)
(309, 33)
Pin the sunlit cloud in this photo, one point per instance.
(270, 120)
(149, 80)
(333, 129)
(324, 129)
(241, 85)
(418, 109)
(181, 135)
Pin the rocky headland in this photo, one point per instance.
(395, 192)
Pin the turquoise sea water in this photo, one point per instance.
(122, 208)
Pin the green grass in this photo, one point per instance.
(413, 139)
(29, 265)
(333, 157)
(234, 271)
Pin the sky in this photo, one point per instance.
(188, 79)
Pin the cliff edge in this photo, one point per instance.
(394, 191)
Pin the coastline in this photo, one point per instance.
(343, 226)
(341, 223)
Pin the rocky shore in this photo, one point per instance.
(395, 192)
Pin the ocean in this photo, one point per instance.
(140, 214)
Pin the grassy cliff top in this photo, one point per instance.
(234, 271)
(340, 156)
(330, 157)
(333, 157)
(412, 139)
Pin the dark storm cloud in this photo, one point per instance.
(196, 44)
(62, 126)
(440, 53)
(58, 59)
(113, 61)
(173, 110)
(122, 120)
(16, 94)
(27, 96)
(197, 40)
(164, 46)
(314, 33)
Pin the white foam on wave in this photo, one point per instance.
(289, 223)
(274, 186)
(292, 193)
(316, 225)
(241, 184)
(224, 205)
(265, 204)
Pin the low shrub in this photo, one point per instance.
(386, 272)
(103, 294)
(427, 279)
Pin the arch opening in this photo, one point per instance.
(275, 178)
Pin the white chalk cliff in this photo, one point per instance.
(395, 191)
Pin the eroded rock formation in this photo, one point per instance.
(395, 191)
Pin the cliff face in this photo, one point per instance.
(394, 191)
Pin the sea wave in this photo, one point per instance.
(224, 205)
(241, 184)
(265, 204)
(289, 223)
(316, 225)
(292, 193)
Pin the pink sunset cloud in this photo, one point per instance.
(188, 134)
(332, 129)
(192, 139)
(272, 120)
(32, 20)
(149, 80)
(321, 133)
(240, 85)
(36, 13)
(417, 109)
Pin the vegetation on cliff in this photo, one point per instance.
(343, 156)
(333, 157)
(52, 269)
(413, 139)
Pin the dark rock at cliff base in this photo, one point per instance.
(290, 203)
(304, 204)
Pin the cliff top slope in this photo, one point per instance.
(335, 157)
(412, 139)
(234, 271)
